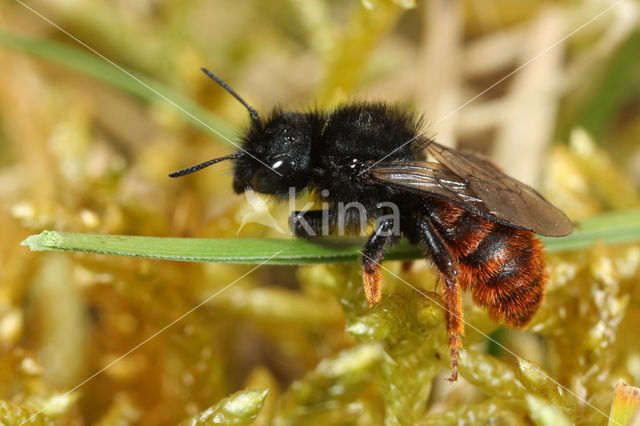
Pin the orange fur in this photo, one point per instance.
(452, 300)
(372, 282)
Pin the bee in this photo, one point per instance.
(475, 224)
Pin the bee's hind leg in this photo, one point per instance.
(372, 255)
(451, 295)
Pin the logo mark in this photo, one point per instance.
(259, 214)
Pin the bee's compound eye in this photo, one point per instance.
(283, 164)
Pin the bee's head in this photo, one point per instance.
(275, 154)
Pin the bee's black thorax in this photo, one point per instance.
(353, 138)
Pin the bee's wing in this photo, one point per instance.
(476, 185)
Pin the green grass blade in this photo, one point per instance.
(241, 250)
(96, 67)
(615, 228)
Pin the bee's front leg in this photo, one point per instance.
(372, 255)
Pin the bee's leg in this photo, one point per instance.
(372, 255)
(447, 264)
(308, 223)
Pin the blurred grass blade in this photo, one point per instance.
(94, 66)
(612, 228)
(626, 402)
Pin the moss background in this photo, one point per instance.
(85, 147)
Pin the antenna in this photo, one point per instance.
(225, 86)
(197, 167)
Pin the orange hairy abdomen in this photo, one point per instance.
(502, 266)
